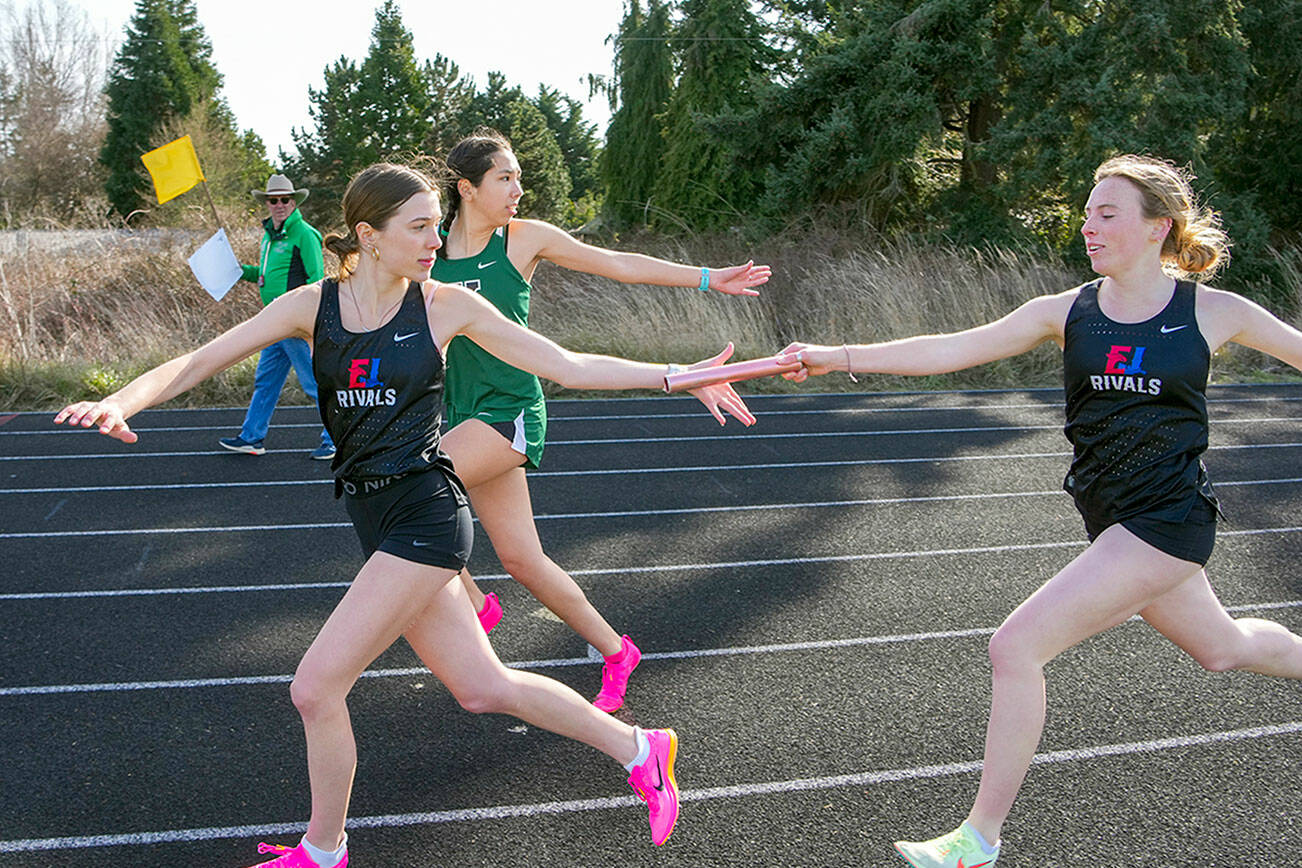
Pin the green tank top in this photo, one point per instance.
(476, 379)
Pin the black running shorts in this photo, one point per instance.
(1189, 540)
(418, 517)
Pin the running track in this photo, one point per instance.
(814, 595)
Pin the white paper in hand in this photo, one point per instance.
(215, 265)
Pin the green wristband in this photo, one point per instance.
(705, 280)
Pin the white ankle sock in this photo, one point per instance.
(326, 858)
(980, 839)
(643, 749)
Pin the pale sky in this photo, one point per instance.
(270, 52)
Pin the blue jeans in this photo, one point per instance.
(269, 379)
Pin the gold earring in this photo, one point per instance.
(375, 254)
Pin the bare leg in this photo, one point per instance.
(1116, 577)
(476, 596)
(505, 513)
(448, 639)
(1192, 617)
(383, 600)
(499, 494)
(478, 454)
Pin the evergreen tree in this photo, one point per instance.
(639, 93)
(450, 95)
(1165, 78)
(722, 55)
(853, 126)
(163, 71)
(986, 118)
(379, 110)
(1264, 151)
(580, 150)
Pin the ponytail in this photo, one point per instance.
(347, 248)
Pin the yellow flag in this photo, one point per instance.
(174, 168)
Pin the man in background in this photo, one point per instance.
(290, 257)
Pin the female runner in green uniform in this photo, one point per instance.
(496, 415)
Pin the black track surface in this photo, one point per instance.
(814, 595)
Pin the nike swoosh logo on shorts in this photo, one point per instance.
(419, 543)
(397, 338)
(1167, 331)
(484, 265)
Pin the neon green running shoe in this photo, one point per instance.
(958, 849)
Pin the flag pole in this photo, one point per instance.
(216, 219)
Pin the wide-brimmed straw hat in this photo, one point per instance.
(279, 185)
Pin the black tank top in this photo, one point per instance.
(1136, 408)
(380, 392)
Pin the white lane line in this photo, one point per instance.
(559, 662)
(166, 530)
(1055, 406)
(622, 441)
(607, 571)
(595, 571)
(407, 672)
(167, 486)
(887, 501)
(698, 468)
(678, 468)
(734, 791)
(627, 513)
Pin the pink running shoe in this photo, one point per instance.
(614, 676)
(295, 857)
(491, 613)
(654, 783)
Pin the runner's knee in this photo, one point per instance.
(490, 695)
(312, 693)
(1240, 647)
(526, 564)
(1011, 651)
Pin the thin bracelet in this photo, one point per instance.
(705, 280)
(848, 366)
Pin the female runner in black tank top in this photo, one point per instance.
(379, 335)
(1136, 349)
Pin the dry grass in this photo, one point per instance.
(84, 312)
(818, 293)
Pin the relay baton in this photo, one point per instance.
(695, 378)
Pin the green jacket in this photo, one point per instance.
(291, 257)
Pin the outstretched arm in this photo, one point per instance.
(456, 310)
(560, 247)
(1226, 316)
(1036, 321)
(291, 315)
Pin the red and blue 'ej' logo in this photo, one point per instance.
(364, 374)
(1124, 360)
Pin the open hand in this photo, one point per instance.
(721, 396)
(106, 414)
(738, 279)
